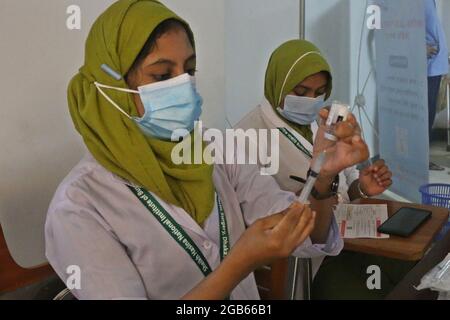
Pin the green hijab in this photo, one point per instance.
(115, 141)
(289, 65)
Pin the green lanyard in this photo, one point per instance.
(178, 233)
(295, 142)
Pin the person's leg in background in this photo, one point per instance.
(434, 84)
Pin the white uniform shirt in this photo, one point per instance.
(97, 224)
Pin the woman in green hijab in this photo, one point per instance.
(297, 84)
(135, 224)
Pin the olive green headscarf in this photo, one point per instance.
(289, 65)
(115, 141)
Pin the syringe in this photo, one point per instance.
(315, 170)
(303, 198)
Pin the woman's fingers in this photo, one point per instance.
(380, 171)
(347, 128)
(359, 150)
(366, 171)
(359, 144)
(386, 176)
(290, 220)
(387, 183)
(329, 150)
(296, 226)
(383, 175)
(379, 164)
(304, 227)
(278, 235)
(380, 167)
(306, 231)
(323, 114)
(352, 119)
(272, 221)
(344, 130)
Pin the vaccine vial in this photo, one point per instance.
(339, 112)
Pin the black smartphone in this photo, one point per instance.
(404, 222)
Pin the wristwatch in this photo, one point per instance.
(331, 193)
(361, 193)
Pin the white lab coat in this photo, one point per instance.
(293, 162)
(97, 224)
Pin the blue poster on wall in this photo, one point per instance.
(402, 94)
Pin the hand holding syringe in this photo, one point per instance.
(339, 146)
(340, 135)
(338, 113)
(312, 178)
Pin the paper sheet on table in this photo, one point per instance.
(361, 221)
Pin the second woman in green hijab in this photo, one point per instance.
(298, 82)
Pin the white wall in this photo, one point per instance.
(206, 18)
(335, 27)
(254, 28)
(39, 144)
(327, 26)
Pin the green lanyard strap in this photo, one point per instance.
(178, 233)
(224, 236)
(295, 142)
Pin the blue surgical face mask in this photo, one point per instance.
(169, 105)
(301, 110)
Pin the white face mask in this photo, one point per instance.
(169, 105)
(302, 110)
